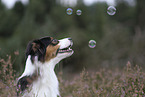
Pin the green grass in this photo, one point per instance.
(129, 82)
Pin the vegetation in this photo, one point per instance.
(119, 39)
(129, 82)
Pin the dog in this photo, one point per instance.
(39, 78)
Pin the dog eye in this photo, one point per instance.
(54, 41)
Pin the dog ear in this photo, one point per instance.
(36, 48)
(46, 40)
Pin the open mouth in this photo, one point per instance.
(65, 50)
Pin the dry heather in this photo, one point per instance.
(7, 78)
(129, 82)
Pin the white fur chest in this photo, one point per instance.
(47, 83)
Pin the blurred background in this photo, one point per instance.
(119, 37)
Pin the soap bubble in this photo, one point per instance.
(92, 43)
(78, 12)
(111, 10)
(69, 11)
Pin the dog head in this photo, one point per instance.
(48, 48)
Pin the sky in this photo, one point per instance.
(10, 3)
(109, 2)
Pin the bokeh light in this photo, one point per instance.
(69, 11)
(78, 12)
(111, 10)
(92, 43)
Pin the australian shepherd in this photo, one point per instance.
(39, 78)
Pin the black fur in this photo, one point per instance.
(22, 85)
(38, 48)
(25, 82)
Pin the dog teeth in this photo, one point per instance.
(65, 50)
(70, 49)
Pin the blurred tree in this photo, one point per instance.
(8, 23)
(9, 20)
(96, 20)
(2, 7)
(140, 17)
(137, 53)
(113, 34)
(49, 4)
(40, 9)
(19, 9)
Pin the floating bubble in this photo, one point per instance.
(111, 10)
(69, 11)
(78, 12)
(92, 43)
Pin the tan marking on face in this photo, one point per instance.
(51, 52)
(51, 38)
